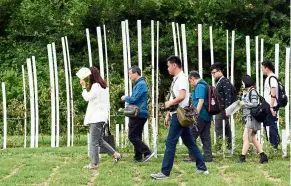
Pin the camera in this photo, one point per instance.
(171, 108)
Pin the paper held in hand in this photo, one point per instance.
(233, 108)
(83, 73)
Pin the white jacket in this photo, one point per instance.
(98, 106)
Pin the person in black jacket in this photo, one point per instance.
(227, 93)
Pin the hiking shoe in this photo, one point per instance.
(117, 158)
(198, 171)
(90, 166)
(189, 159)
(137, 160)
(241, 159)
(159, 176)
(148, 157)
(263, 158)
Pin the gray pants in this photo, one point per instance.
(218, 128)
(96, 141)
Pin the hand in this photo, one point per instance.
(242, 103)
(123, 98)
(273, 112)
(83, 83)
(168, 104)
(167, 119)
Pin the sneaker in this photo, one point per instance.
(90, 166)
(148, 157)
(198, 171)
(117, 158)
(159, 176)
(263, 158)
(241, 159)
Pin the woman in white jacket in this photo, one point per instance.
(97, 115)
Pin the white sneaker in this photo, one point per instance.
(90, 166)
(201, 172)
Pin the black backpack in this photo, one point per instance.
(282, 99)
(213, 107)
(261, 111)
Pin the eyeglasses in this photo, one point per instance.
(214, 72)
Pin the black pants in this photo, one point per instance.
(135, 127)
(218, 128)
(203, 130)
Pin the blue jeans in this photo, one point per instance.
(175, 131)
(273, 133)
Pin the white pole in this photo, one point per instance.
(24, 103)
(35, 100)
(232, 57)
(157, 83)
(174, 39)
(68, 92)
(223, 138)
(100, 48)
(146, 133)
(211, 50)
(89, 47)
(232, 81)
(139, 41)
(117, 135)
(277, 60)
(284, 143)
(262, 59)
(179, 42)
(71, 91)
(262, 135)
(287, 88)
(128, 59)
(212, 62)
(122, 136)
(107, 69)
(183, 30)
(57, 96)
(154, 136)
(248, 52)
(227, 58)
(153, 77)
(200, 66)
(52, 91)
(4, 115)
(257, 65)
(268, 131)
(125, 67)
(277, 74)
(32, 107)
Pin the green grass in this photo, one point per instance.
(64, 166)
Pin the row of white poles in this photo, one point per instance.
(127, 63)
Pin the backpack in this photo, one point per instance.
(261, 111)
(282, 99)
(213, 107)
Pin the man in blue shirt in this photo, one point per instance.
(139, 98)
(200, 100)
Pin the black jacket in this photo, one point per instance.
(226, 91)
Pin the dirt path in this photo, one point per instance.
(13, 172)
(270, 178)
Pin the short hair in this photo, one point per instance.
(248, 81)
(176, 60)
(268, 64)
(218, 66)
(194, 74)
(135, 69)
